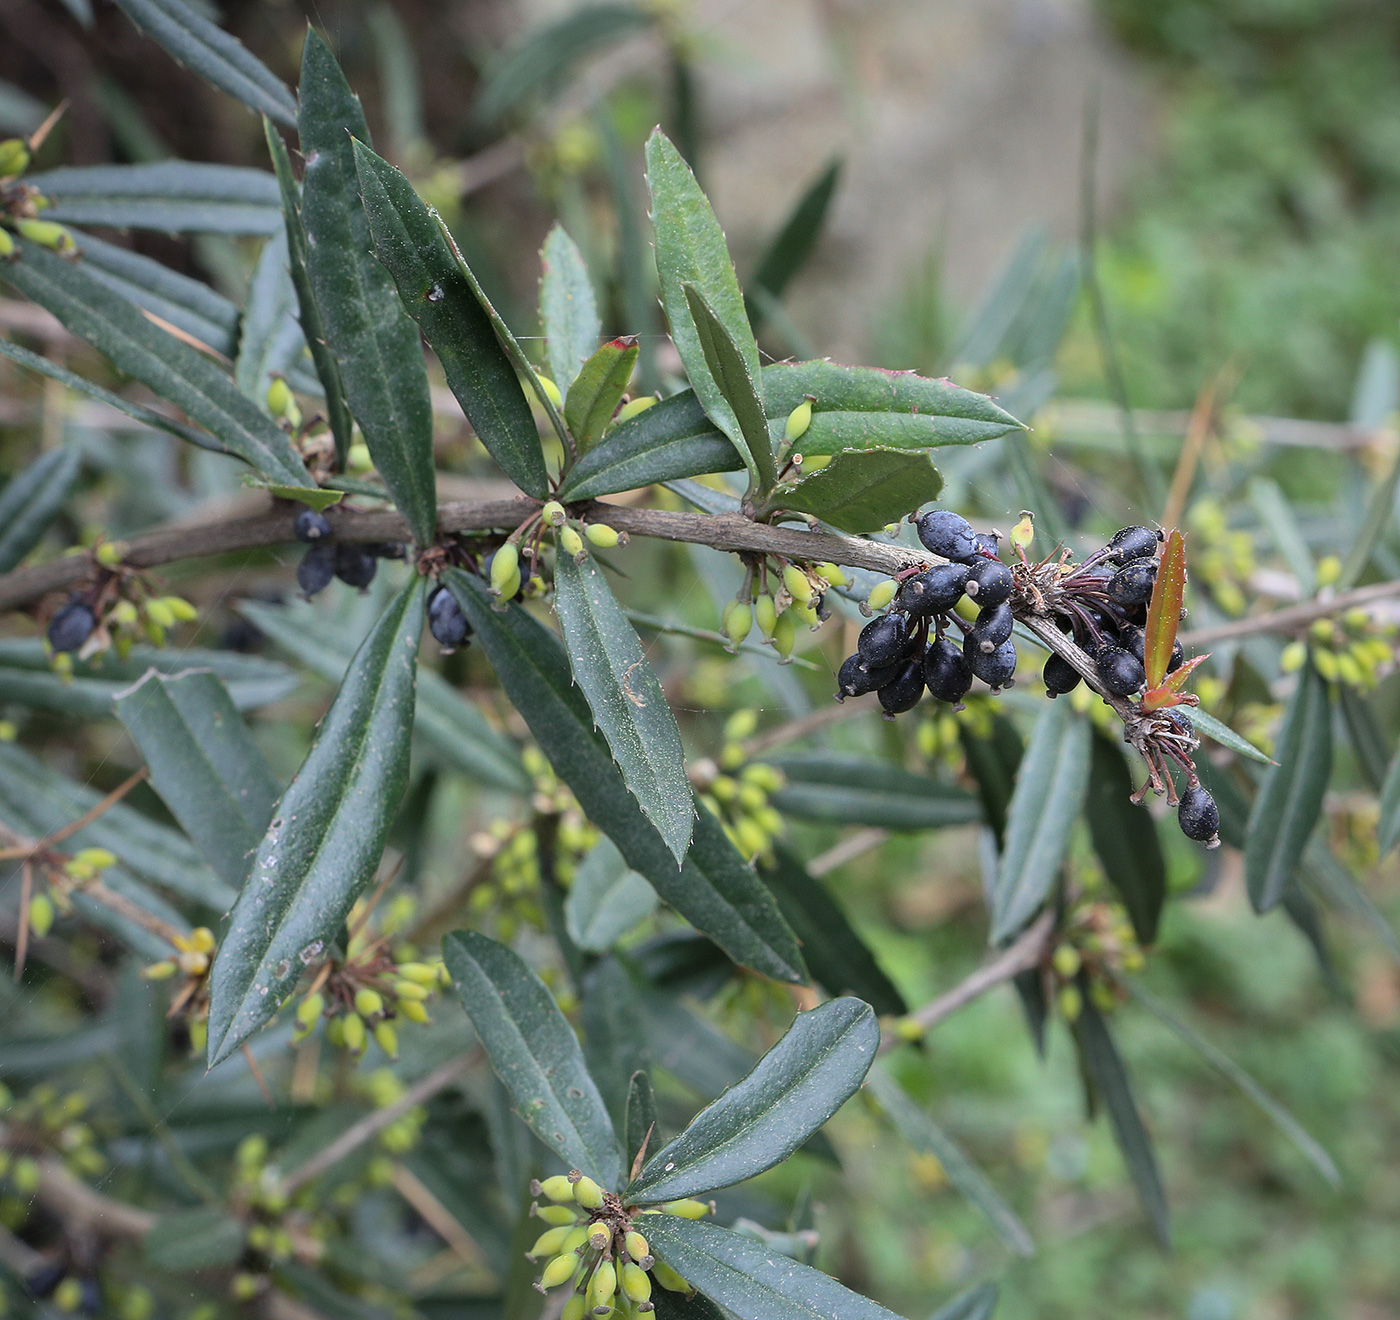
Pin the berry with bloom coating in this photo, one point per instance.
(903, 691)
(993, 626)
(669, 1279)
(316, 569)
(947, 534)
(550, 1242)
(884, 640)
(689, 1208)
(603, 536)
(995, 670)
(636, 1283)
(1198, 815)
(933, 592)
(1060, 676)
(446, 621)
(1132, 584)
(71, 626)
(736, 621)
(1120, 671)
(946, 672)
(355, 566)
(309, 525)
(555, 1215)
(855, 679)
(1132, 543)
(799, 585)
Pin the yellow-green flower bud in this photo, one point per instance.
(387, 1038)
(551, 390)
(1329, 570)
(798, 585)
(160, 971)
(414, 1011)
(882, 593)
(420, 973)
(833, 574)
(603, 536)
(636, 1283)
(1326, 662)
(557, 1188)
(47, 233)
(368, 1003)
(1294, 654)
(599, 1235)
(785, 634)
(588, 1194)
(356, 1037)
(99, 859)
(504, 566)
(1071, 1003)
(1066, 960)
(280, 402)
(14, 157)
(405, 989)
(310, 1009)
(558, 1215)
(737, 620)
(7, 245)
(631, 409)
(570, 542)
(1024, 531)
(798, 420)
(669, 1279)
(688, 1208)
(559, 1270)
(601, 1287)
(68, 1296)
(574, 1308)
(549, 1243)
(638, 1249)
(41, 915)
(765, 615)
(553, 513)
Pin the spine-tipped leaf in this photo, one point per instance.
(791, 1092)
(410, 243)
(31, 500)
(598, 389)
(326, 838)
(568, 308)
(535, 1054)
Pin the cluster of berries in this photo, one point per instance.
(376, 983)
(908, 649)
(594, 1247)
(353, 562)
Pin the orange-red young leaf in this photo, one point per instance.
(1164, 610)
(1169, 692)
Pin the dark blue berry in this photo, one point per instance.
(948, 534)
(996, 669)
(855, 680)
(1120, 671)
(386, 549)
(988, 544)
(311, 526)
(1132, 584)
(989, 582)
(1198, 815)
(903, 691)
(1132, 543)
(446, 621)
(355, 566)
(933, 592)
(993, 627)
(946, 673)
(884, 640)
(1060, 676)
(71, 626)
(316, 569)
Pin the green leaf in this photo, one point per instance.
(627, 702)
(312, 326)
(541, 62)
(1104, 1067)
(146, 416)
(27, 679)
(737, 383)
(1277, 521)
(39, 800)
(197, 1238)
(923, 1134)
(1341, 888)
(171, 195)
(216, 56)
(568, 308)
(32, 498)
(715, 889)
(1380, 509)
(641, 1115)
(670, 440)
(1206, 723)
(690, 249)
(437, 294)
(790, 1094)
(445, 719)
(857, 790)
(1390, 807)
(979, 1303)
(1364, 733)
(835, 954)
(598, 389)
(1232, 1072)
(1289, 801)
(173, 370)
(1125, 838)
(750, 1281)
(606, 899)
(271, 339)
(535, 1054)
(1050, 787)
(861, 490)
(323, 846)
(794, 242)
(188, 304)
(992, 762)
(366, 327)
(613, 1047)
(203, 763)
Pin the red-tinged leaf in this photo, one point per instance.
(1164, 612)
(1176, 680)
(1170, 693)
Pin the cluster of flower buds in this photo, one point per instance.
(353, 562)
(1356, 649)
(21, 206)
(65, 875)
(1096, 943)
(377, 983)
(46, 1122)
(775, 598)
(1221, 557)
(596, 1248)
(737, 790)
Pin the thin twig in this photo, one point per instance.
(807, 724)
(90, 815)
(1203, 415)
(1026, 952)
(371, 1125)
(855, 845)
(26, 894)
(1294, 617)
